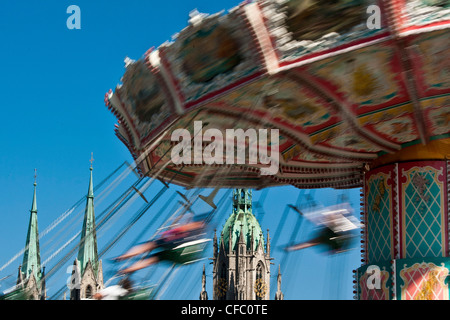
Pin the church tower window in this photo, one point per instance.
(88, 292)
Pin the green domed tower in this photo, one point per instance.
(241, 258)
(242, 217)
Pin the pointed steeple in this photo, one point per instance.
(279, 295)
(20, 277)
(34, 203)
(88, 246)
(215, 245)
(252, 240)
(241, 235)
(230, 239)
(204, 294)
(31, 259)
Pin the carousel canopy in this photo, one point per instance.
(347, 83)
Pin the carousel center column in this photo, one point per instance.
(405, 239)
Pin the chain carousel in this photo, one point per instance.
(356, 106)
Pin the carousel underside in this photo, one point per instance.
(346, 95)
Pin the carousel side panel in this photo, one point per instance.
(422, 279)
(379, 231)
(423, 209)
(373, 282)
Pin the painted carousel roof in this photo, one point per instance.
(342, 91)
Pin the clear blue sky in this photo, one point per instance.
(52, 88)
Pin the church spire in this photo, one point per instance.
(31, 259)
(215, 245)
(203, 294)
(88, 246)
(279, 295)
(34, 204)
